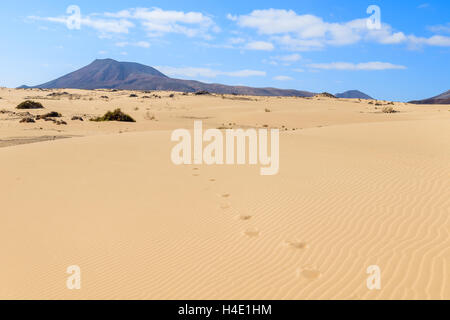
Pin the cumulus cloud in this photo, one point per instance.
(191, 72)
(155, 21)
(309, 32)
(260, 45)
(158, 22)
(367, 66)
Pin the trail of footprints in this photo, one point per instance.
(306, 272)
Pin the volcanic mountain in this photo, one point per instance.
(111, 74)
(440, 99)
(353, 94)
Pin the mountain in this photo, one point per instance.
(440, 99)
(105, 73)
(111, 74)
(353, 94)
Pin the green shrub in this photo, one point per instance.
(30, 105)
(52, 114)
(116, 115)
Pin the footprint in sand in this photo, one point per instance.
(252, 233)
(196, 175)
(226, 195)
(244, 217)
(212, 180)
(297, 244)
(309, 273)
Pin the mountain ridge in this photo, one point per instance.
(353, 94)
(443, 98)
(112, 74)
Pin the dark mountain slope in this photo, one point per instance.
(353, 94)
(440, 99)
(111, 74)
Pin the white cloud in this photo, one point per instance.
(155, 21)
(285, 60)
(417, 42)
(283, 78)
(231, 17)
(288, 58)
(158, 22)
(260, 45)
(367, 66)
(440, 28)
(309, 32)
(236, 40)
(101, 25)
(142, 44)
(191, 72)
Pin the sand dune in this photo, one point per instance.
(356, 188)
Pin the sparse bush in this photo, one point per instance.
(27, 120)
(267, 110)
(30, 105)
(133, 95)
(77, 118)
(52, 114)
(389, 110)
(116, 115)
(202, 92)
(172, 95)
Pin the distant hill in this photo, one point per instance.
(440, 99)
(111, 74)
(353, 94)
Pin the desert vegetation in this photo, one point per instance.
(29, 104)
(52, 114)
(388, 110)
(116, 115)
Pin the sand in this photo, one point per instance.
(356, 188)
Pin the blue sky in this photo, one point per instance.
(319, 45)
